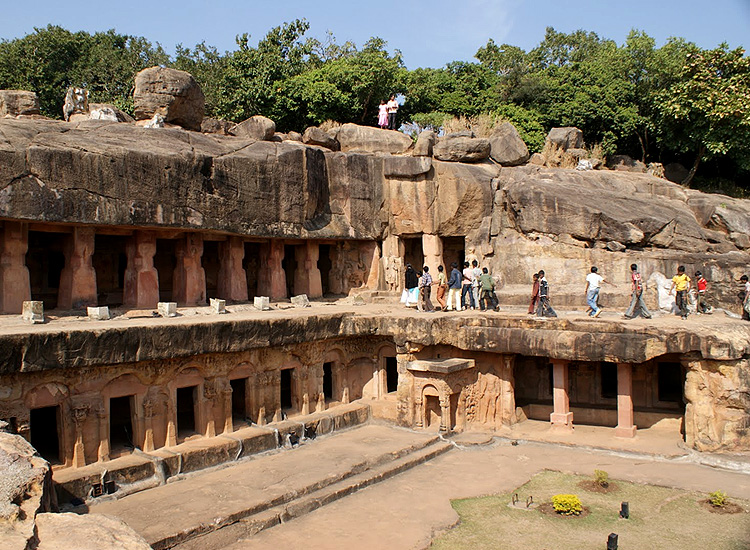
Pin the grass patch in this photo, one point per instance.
(659, 518)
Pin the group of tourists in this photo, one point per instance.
(387, 113)
(472, 288)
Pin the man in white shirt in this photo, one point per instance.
(392, 108)
(593, 284)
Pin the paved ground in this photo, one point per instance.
(406, 511)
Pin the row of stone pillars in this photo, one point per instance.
(78, 287)
(562, 418)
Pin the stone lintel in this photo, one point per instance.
(441, 366)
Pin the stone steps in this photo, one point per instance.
(267, 489)
(234, 533)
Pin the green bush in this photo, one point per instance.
(568, 505)
(718, 499)
(601, 478)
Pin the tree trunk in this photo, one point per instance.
(694, 169)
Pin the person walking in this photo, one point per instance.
(593, 284)
(534, 294)
(476, 273)
(745, 298)
(411, 287)
(702, 284)
(425, 289)
(383, 115)
(454, 288)
(392, 108)
(487, 288)
(637, 305)
(681, 286)
(466, 288)
(544, 309)
(442, 285)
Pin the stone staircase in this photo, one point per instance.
(213, 509)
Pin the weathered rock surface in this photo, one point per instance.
(566, 138)
(171, 93)
(216, 126)
(76, 102)
(255, 127)
(18, 102)
(105, 111)
(507, 147)
(86, 532)
(315, 136)
(626, 164)
(353, 137)
(406, 167)
(425, 143)
(461, 149)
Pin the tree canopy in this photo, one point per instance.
(676, 102)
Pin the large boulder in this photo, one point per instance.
(18, 102)
(624, 163)
(565, 138)
(676, 172)
(256, 127)
(353, 137)
(461, 149)
(216, 126)
(315, 136)
(106, 111)
(425, 144)
(506, 146)
(171, 93)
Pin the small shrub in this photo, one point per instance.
(718, 499)
(567, 505)
(601, 478)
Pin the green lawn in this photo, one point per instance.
(660, 518)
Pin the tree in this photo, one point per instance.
(706, 110)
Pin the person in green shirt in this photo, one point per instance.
(487, 288)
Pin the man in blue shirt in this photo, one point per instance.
(454, 288)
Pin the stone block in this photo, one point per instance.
(33, 311)
(167, 309)
(358, 300)
(218, 306)
(98, 313)
(300, 301)
(262, 303)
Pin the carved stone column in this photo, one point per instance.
(189, 281)
(232, 284)
(432, 249)
(78, 278)
(104, 445)
(15, 287)
(79, 452)
(148, 413)
(141, 286)
(445, 413)
(226, 391)
(274, 388)
(205, 406)
(625, 425)
(307, 276)
(419, 411)
(171, 421)
(561, 416)
(272, 278)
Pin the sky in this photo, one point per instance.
(429, 33)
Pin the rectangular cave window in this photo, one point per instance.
(328, 380)
(44, 433)
(609, 380)
(391, 374)
(186, 410)
(238, 397)
(121, 423)
(286, 389)
(670, 382)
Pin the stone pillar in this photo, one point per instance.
(189, 281)
(561, 416)
(141, 287)
(232, 284)
(370, 252)
(226, 391)
(78, 278)
(79, 452)
(432, 249)
(204, 406)
(272, 278)
(15, 287)
(148, 413)
(419, 411)
(307, 276)
(171, 439)
(104, 447)
(625, 426)
(445, 413)
(275, 389)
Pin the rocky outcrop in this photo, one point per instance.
(18, 103)
(624, 163)
(506, 146)
(76, 103)
(255, 127)
(565, 138)
(425, 143)
(461, 149)
(216, 126)
(315, 136)
(406, 167)
(86, 532)
(171, 93)
(353, 137)
(105, 111)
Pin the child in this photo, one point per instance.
(681, 284)
(487, 286)
(545, 308)
(637, 305)
(702, 284)
(383, 115)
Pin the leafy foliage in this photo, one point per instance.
(601, 478)
(567, 505)
(718, 499)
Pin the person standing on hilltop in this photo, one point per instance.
(392, 108)
(383, 115)
(637, 305)
(681, 286)
(534, 294)
(545, 308)
(745, 297)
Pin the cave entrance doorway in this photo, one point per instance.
(412, 252)
(121, 423)
(286, 390)
(110, 261)
(391, 374)
(454, 250)
(251, 265)
(328, 381)
(186, 424)
(289, 265)
(44, 432)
